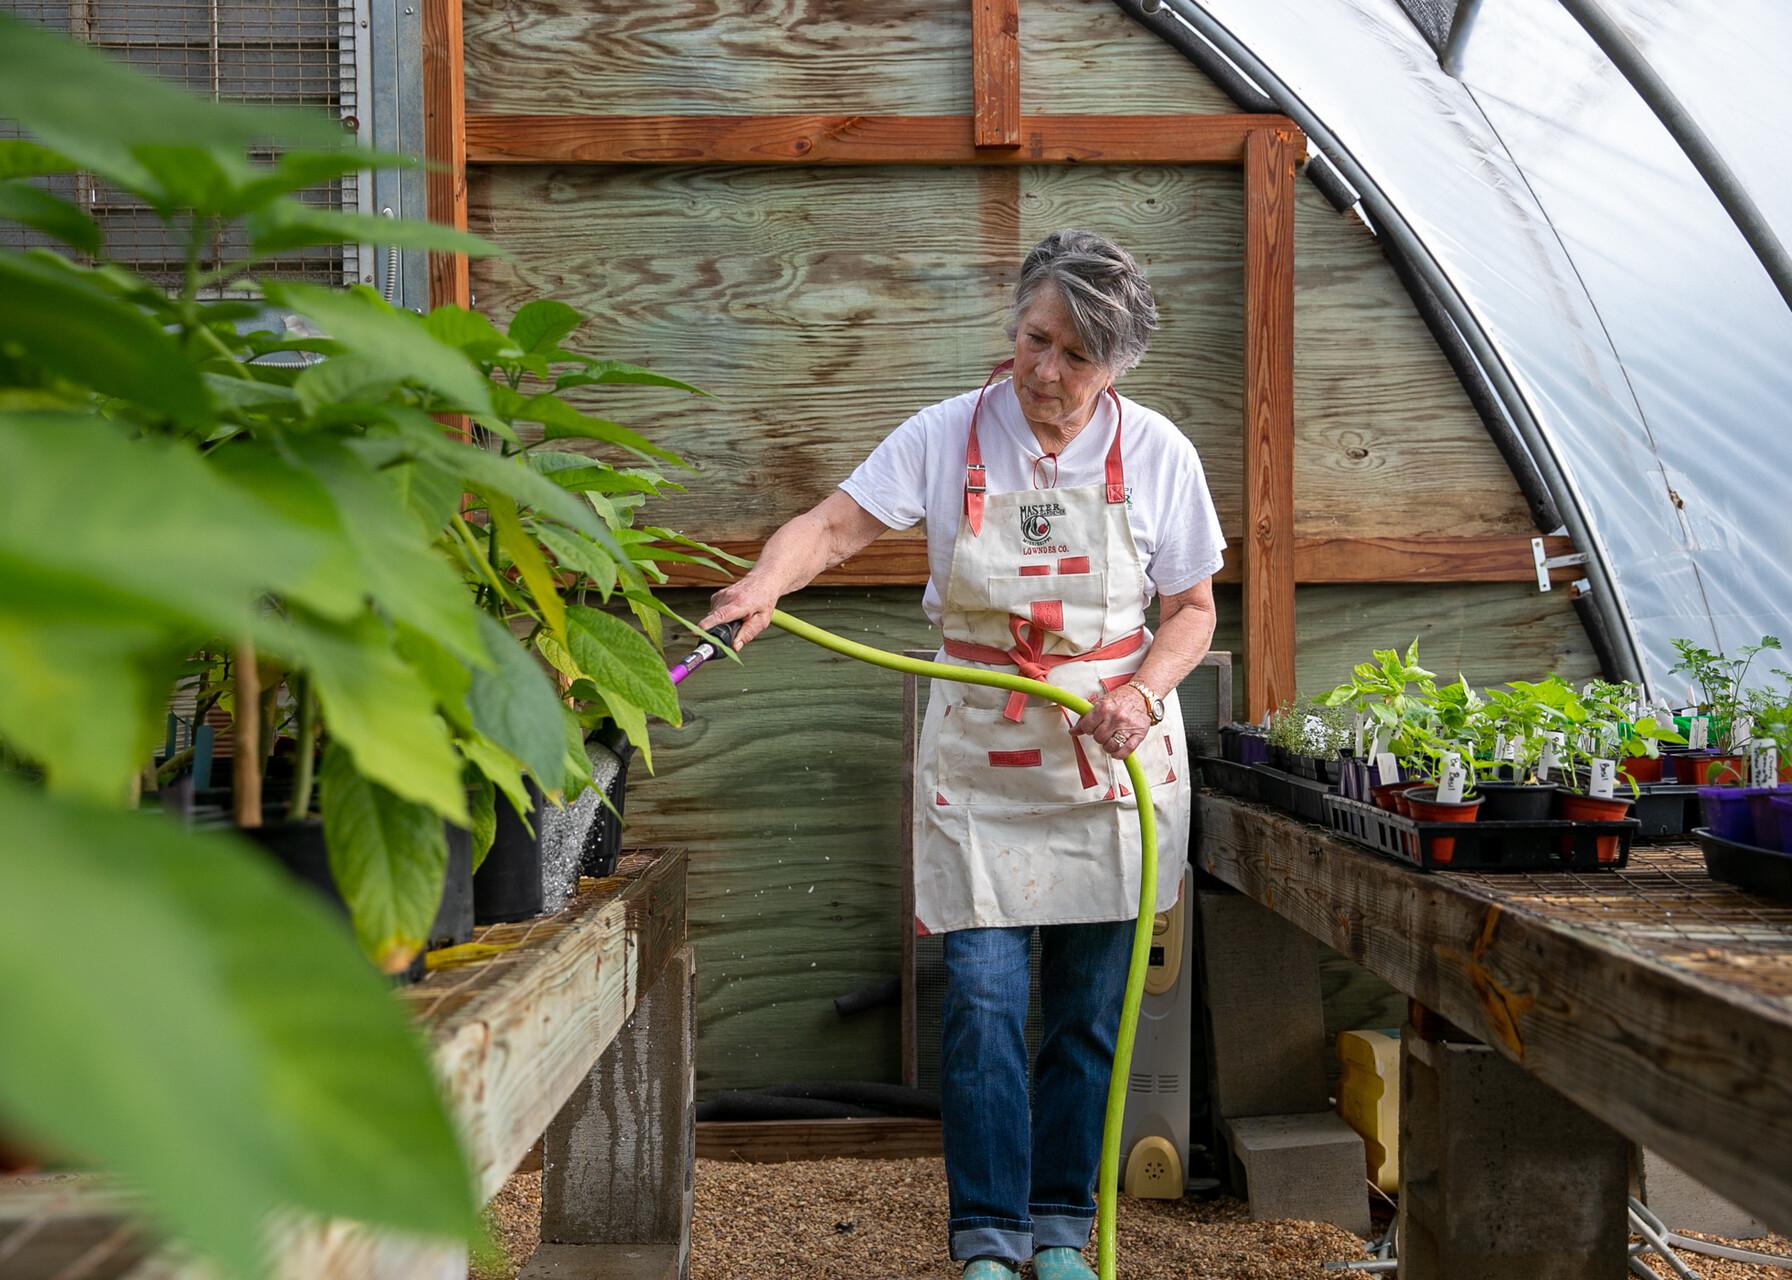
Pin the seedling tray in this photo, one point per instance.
(1483, 846)
(1662, 808)
(1302, 797)
(1747, 866)
(1240, 780)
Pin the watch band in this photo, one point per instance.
(1154, 705)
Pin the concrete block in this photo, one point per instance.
(1502, 1176)
(602, 1262)
(1308, 1167)
(1686, 1205)
(1265, 1008)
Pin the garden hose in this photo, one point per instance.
(1108, 1184)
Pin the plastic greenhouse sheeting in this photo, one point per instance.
(1647, 340)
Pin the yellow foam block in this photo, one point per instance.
(1369, 1100)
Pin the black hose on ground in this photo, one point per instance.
(822, 1100)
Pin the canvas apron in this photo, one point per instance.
(1017, 821)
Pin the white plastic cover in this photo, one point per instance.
(1650, 343)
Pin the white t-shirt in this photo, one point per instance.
(917, 474)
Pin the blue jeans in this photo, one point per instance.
(1020, 1183)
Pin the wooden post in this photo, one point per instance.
(619, 1160)
(445, 143)
(995, 72)
(1270, 156)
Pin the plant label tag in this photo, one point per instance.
(1266, 716)
(1604, 774)
(1499, 746)
(1452, 780)
(1386, 767)
(1553, 742)
(1764, 765)
(1378, 743)
(1358, 723)
(1742, 732)
(1697, 733)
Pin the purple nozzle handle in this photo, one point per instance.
(705, 651)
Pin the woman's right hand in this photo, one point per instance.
(749, 601)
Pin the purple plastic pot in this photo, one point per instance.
(1781, 808)
(1729, 812)
(1762, 818)
(1253, 749)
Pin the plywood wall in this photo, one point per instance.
(822, 307)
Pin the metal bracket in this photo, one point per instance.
(1545, 563)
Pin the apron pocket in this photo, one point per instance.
(1068, 606)
(986, 760)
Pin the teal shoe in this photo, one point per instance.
(1061, 1264)
(989, 1269)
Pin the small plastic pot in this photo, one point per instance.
(1331, 772)
(508, 884)
(1387, 794)
(1253, 748)
(1426, 807)
(1781, 808)
(1577, 808)
(1728, 813)
(1718, 771)
(1516, 802)
(1640, 768)
(1762, 818)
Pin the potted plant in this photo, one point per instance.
(1434, 756)
(1512, 739)
(1717, 681)
(1592, 748)
(1383, 696)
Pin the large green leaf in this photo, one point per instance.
(469, 331)
(616, 656)
(581, 555)
(398, 557)
(85, 698)
(530, 564)
(22, 159)
(480, 469)
(377, 707)
(516, 706)
(560, 421)
(389, 859)
(598, 372)
(65, 323)
(176, 1012)
(100, 113)
(287, 224)
(336, 587)
(396, 340)
(32, 206)
(149, 522)
(538, 326)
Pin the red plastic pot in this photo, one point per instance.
(1717, 771)
(1641, 768)
(1386, 795)
(1596, 809)
(1425, 807)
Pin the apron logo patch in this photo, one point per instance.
(1035, 521)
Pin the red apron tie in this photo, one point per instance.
(975, 476)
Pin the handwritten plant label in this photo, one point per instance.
(1605, 772)
(1698, 732)
(1452, 780)
(1553, 742)
(1764, 765)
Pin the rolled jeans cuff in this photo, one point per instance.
(1057, 1228)
(990, 1238)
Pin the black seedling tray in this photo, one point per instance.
(1662, 808)
(1482, 846)
(1302, 797)
(1240, 780)
(1747, 866)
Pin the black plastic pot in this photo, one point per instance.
(1516, 802)
(603, 839)
(1330, 771)
(508, 884)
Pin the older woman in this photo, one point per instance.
(1055, 509)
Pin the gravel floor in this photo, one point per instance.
(872, 1219)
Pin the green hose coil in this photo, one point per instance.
(1108, 1185)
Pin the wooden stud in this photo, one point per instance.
(1323, 561)
(821, 139)
(1269, 420)
(445, 144)
(775, 1141)
(995, 72)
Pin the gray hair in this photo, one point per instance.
(1104, 290)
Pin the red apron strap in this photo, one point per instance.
(1116, 471)
(974, 487)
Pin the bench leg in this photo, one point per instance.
(1500, 1175)
(619, 1159)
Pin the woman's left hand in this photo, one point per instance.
(1118, 722)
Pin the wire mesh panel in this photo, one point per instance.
(301, 52)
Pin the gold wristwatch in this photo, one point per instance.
(1154, 705)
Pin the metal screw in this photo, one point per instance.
(408, 9)
(363, 22)
(367, 279)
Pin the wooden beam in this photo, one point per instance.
(1268, 420)
(995, 72)
(445, 143)
(1681, 1041)
(818, 139)
(897, 561)
(774, 1141)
